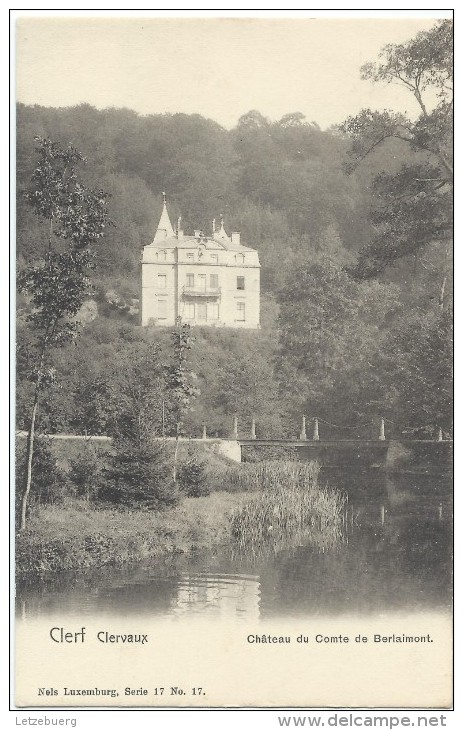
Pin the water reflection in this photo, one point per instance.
(395, 554)
(218, 595)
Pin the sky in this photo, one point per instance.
(218, 67)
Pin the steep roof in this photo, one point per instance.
(164, 229)
(166, 237)
(192, 242)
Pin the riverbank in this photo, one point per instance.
(77, 537)
(266, 506)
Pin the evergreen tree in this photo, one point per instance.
(139, 474)
(139, 470)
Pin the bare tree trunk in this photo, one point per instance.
(177, 433)
(442, 292)
(31, 437)
(29, 455)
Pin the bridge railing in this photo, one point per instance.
(311, 429)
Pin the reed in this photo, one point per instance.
(288, 510)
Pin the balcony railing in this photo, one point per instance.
(195, 291)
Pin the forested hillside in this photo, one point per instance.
(281, 184)
(354, 248)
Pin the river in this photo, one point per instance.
(395, 554)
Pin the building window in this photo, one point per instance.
(214, 258)
(190, 281)
(214, 281)
(190, 257)
(201, 311)
(240, 311)
(239, 258)
(189, 310)
(162, 281)
(162, 255)
(240, 282)
(213, 311)
(162, 308)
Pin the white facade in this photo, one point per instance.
(206, 281)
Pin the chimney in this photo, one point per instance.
(179, 228)
(235, 237)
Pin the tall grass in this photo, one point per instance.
(289, 509)
(233, 478)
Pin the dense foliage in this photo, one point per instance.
(353, 230)
(412, 206)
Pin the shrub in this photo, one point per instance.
(49, 482)
(86, 472)
(192, 475)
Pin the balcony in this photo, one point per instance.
(196, 291)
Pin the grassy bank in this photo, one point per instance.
(77, 537)
(261, 508)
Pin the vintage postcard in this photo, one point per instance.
(234, 408)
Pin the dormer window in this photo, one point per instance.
(239, 258)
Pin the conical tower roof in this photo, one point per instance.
(164, 229)
(221, 234)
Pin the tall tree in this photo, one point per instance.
(180, 381)
(413, 206)
(417, 370)
(332, 329)
(56, 286)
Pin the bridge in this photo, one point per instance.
(338, 452)
(392, 454)
(430, 454)
(402, 453)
